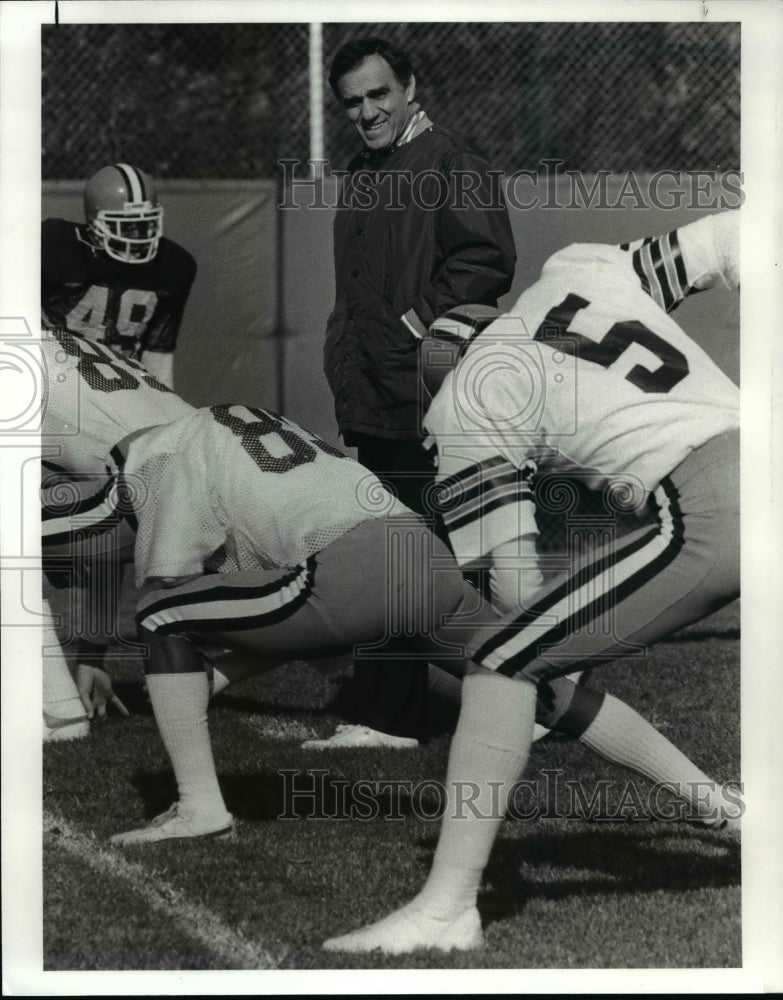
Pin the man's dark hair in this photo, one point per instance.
(352, 54)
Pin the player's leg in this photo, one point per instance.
(178, 689)
(333, 604)
(387, 589)
(622, 597)
(488, 755)
(217, 609)
(86, 543)
(615, 731)
(390, 704)
(617, 603)
(647, 586)
(64, 717)
(611, 728)
(514, 579)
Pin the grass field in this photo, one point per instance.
(565, 893)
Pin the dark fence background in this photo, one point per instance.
(212, 101)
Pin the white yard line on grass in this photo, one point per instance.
(199, 923)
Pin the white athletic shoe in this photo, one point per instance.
(729, 824)
(56, 730)
(176, 824)
(349, 737)
(409, 929)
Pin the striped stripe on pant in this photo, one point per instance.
(634, 591)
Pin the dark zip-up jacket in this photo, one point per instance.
(419, 228)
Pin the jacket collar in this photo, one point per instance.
(419, 123)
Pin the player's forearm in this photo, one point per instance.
(710, 249)
(161, 365)
(514, 576)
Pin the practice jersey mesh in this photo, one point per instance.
(234, 487)
(587, 373)
(92, 400)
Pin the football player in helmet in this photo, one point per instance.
(653, 418)
(251, 533)
(276, 579)
(116, 279)
(124, 216)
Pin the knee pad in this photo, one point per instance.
(567, 707)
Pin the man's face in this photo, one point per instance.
(376, 103)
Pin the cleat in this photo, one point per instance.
(729, 825)
(57, 730)
(176, 824)
(723, 824)
(409, 929)
(350, 737)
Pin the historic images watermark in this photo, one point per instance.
(316, 794)
(549, 187)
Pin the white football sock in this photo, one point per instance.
(488, 754)
(179, 702)
(60, 695)
(624, 737)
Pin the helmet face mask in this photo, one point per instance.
(124, 218)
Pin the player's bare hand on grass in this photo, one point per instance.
(96, 691)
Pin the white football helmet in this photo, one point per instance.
(124, 217)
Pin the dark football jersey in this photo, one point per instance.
(131, 308)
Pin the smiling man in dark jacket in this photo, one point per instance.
(421, 227)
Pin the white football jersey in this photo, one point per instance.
(93, 399)
(233, 487)
(586, 373)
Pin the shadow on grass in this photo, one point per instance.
(340, 702)
(611, 862)
(296, 794)
(133, 697)
(699, 635)
(625, 857)
(242, 699)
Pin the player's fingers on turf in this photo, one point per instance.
(102, 683)
(84, 684)
(116, 701)
(87, 702)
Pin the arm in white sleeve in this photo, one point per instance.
(514, 576)
(710, 250)
(161, 365)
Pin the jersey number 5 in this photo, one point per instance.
(555, 332)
